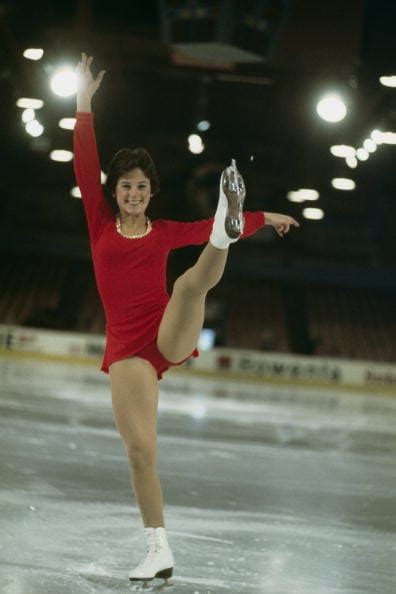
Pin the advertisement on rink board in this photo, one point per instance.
(51, 342)
(233, 362)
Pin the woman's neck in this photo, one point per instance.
(133, 224)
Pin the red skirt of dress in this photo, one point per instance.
(151, 354)
(137, 339)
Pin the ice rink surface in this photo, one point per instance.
(268, 489)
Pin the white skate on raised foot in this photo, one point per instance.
(233, 186)
(229, 220)
(159, 561)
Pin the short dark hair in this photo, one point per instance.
(125, 160)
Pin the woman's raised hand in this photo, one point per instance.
(87, 85)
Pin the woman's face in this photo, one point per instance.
(133, 192)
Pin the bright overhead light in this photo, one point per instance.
(370, 145)
(351, 162)
(302, 194)
(61, 155)
(64, 82)
(331, 108)
(34, 128)
(75, 192)
(389, 137)
(362, 154)
(203, 125)
(315, 214)
(28, 115)
(27, 103)
(380, 137)
(295, 197)
(343, 183)
(388, 81)
(342, 150)
(67, 123)
(308, 194)
(33, 53)
(194, 138)
(376, 135)
(195, 144)
(103, 177)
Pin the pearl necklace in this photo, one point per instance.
(147, 231)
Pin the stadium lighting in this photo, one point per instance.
(388, 81)
(308, 194)
(67, 123)
(376, 136)
(295, 197)
(389, 137)
(75, 192)
(28, 115)
(383, 137)
(61, 156)
(331, 108)
(370, 145)
(351, 162)
(34, 128)
(64, 82)
(26, 103)
(33, 54)
(302, 194)
(362, 154)
(342, 150)
(343, 183)
(195, 144)
(315, 214)
(203, 125)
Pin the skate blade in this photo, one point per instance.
(151, 587)
(163, 574)
(234, 220)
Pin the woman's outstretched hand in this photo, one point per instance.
(280, 222)
(87, 85)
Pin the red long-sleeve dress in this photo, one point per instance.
(130, 273)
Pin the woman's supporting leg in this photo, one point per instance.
(134, 390)
(184, 315)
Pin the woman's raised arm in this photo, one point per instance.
(86, 158)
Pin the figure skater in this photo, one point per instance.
(148, 331)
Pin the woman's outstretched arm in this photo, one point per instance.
(197, 232)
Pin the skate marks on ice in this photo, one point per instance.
(263, 495)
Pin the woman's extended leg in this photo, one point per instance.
(184, 315)
(134, 390)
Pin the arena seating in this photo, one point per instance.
(342, 322)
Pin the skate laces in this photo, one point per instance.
(153, 547)
(153, 543)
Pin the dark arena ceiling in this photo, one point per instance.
(255, 70)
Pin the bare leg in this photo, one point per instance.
(184, 315)
(134, 389)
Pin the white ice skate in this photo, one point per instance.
(229, 220)
(159, 561)
(234, 189)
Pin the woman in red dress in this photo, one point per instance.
(147, 331)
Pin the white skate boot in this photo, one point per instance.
(233, 187)
(159, 561)
(229, 220)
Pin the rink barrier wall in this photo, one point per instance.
(237, 364)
